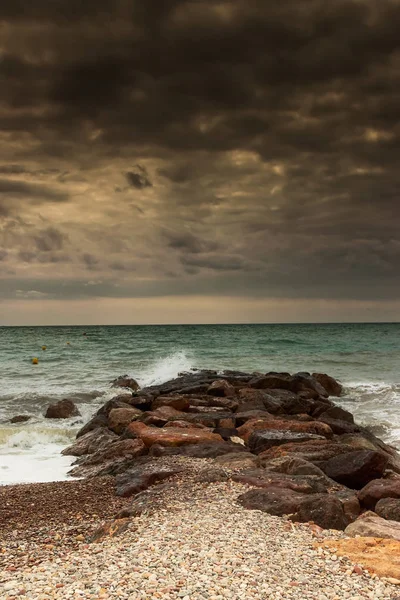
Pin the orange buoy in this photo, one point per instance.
(44, 347)
(35, 361)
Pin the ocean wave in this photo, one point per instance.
(34, 437)
(165, 369)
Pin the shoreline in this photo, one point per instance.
(205, 487)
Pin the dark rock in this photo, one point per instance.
(142, 476)
(211, 402)
(260, 441)
(333, 387)
(237, 460)
(64, 409)
(176, 401)
(323, 509)
(350, 503)
(366, 440)
(209, 419)
(108, 460)
(212, 475)
(221, 388)
(143, 402)
(336, 412)
(161, 416)
(261, 400)
(294, 383)
(272, 500)
(98, 421)
(338, 426)
(90, 442)
(388, 508)
(225, 432)
(274, 424)
(355, 469)
(126, 382)
(241, 418)
(20, 419)
(292, 465)
(377, 489)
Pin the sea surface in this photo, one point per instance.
(80, 362)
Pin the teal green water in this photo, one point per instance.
(365, 357)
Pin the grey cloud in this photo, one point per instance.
(50, 239)
(190, 243)
(139, 178)
(13, 188)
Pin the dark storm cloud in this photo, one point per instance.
(139, 178)
(266, 137)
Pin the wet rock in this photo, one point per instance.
(90, 442)
(332, 387)
(355, 469)
(368, 441)
(110, 529)
(119, 418)
(259, 441)
(64, 409)
(172, 436)
(221, 388)
(176, 401)
(262, 399)
(370, 524)
(142, 476)
(244, 416)
(121, 401)
(20, 419)
(377, 489)
(184, 425)
(126, 382)
(211, 402)
(294, 383)
(143, 401)
(208, 419)
(109, 459)
(388, 508)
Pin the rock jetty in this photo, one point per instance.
(281, 435)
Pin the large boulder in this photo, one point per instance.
(237, 460)
(220, 387)
(294, 383)
(323, 509)
(119, 418)
(291, 465)
(252, 414)
(388, 508)
(260, 441)
(338, 426)
(172, 436)
(200, 450)
(370, 524)
(126, 382)
(261, 398)
(377, 489)
(304, 484)
(332, 387)
(64, 409)
(108, 459)
(176, 401)
(161, 416)
(355, 469)
(96, 422)
(212, 402)
(368, 441)
(335, 412)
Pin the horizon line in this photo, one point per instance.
(209, 324)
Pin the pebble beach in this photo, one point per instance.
(196, 543)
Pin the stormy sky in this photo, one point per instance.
(199, 161)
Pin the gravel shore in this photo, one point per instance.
(197, 544)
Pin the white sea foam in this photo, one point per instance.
(165, 369)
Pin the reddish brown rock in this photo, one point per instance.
(161, 416)
(237, 460)
(350, 503)
(297, 483)
(116, 449)
(377, 489)
(367, 441)
(388, 508)
(244, 416)
(227, 423)
(184, 425)
(64, 409)
(282, 425)
(332, 387)
(201, 450)
(211, 402)
(335, 412)
(126, 382)
(220, 387)
(261, 398)
(337, 426)
(260, 441)
(172, 436)
(142, 476)
(176, 401)
(291, 465)
(119, 418)
(355, 469)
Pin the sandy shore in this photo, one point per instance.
(196, 544)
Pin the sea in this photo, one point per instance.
(80, 363)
